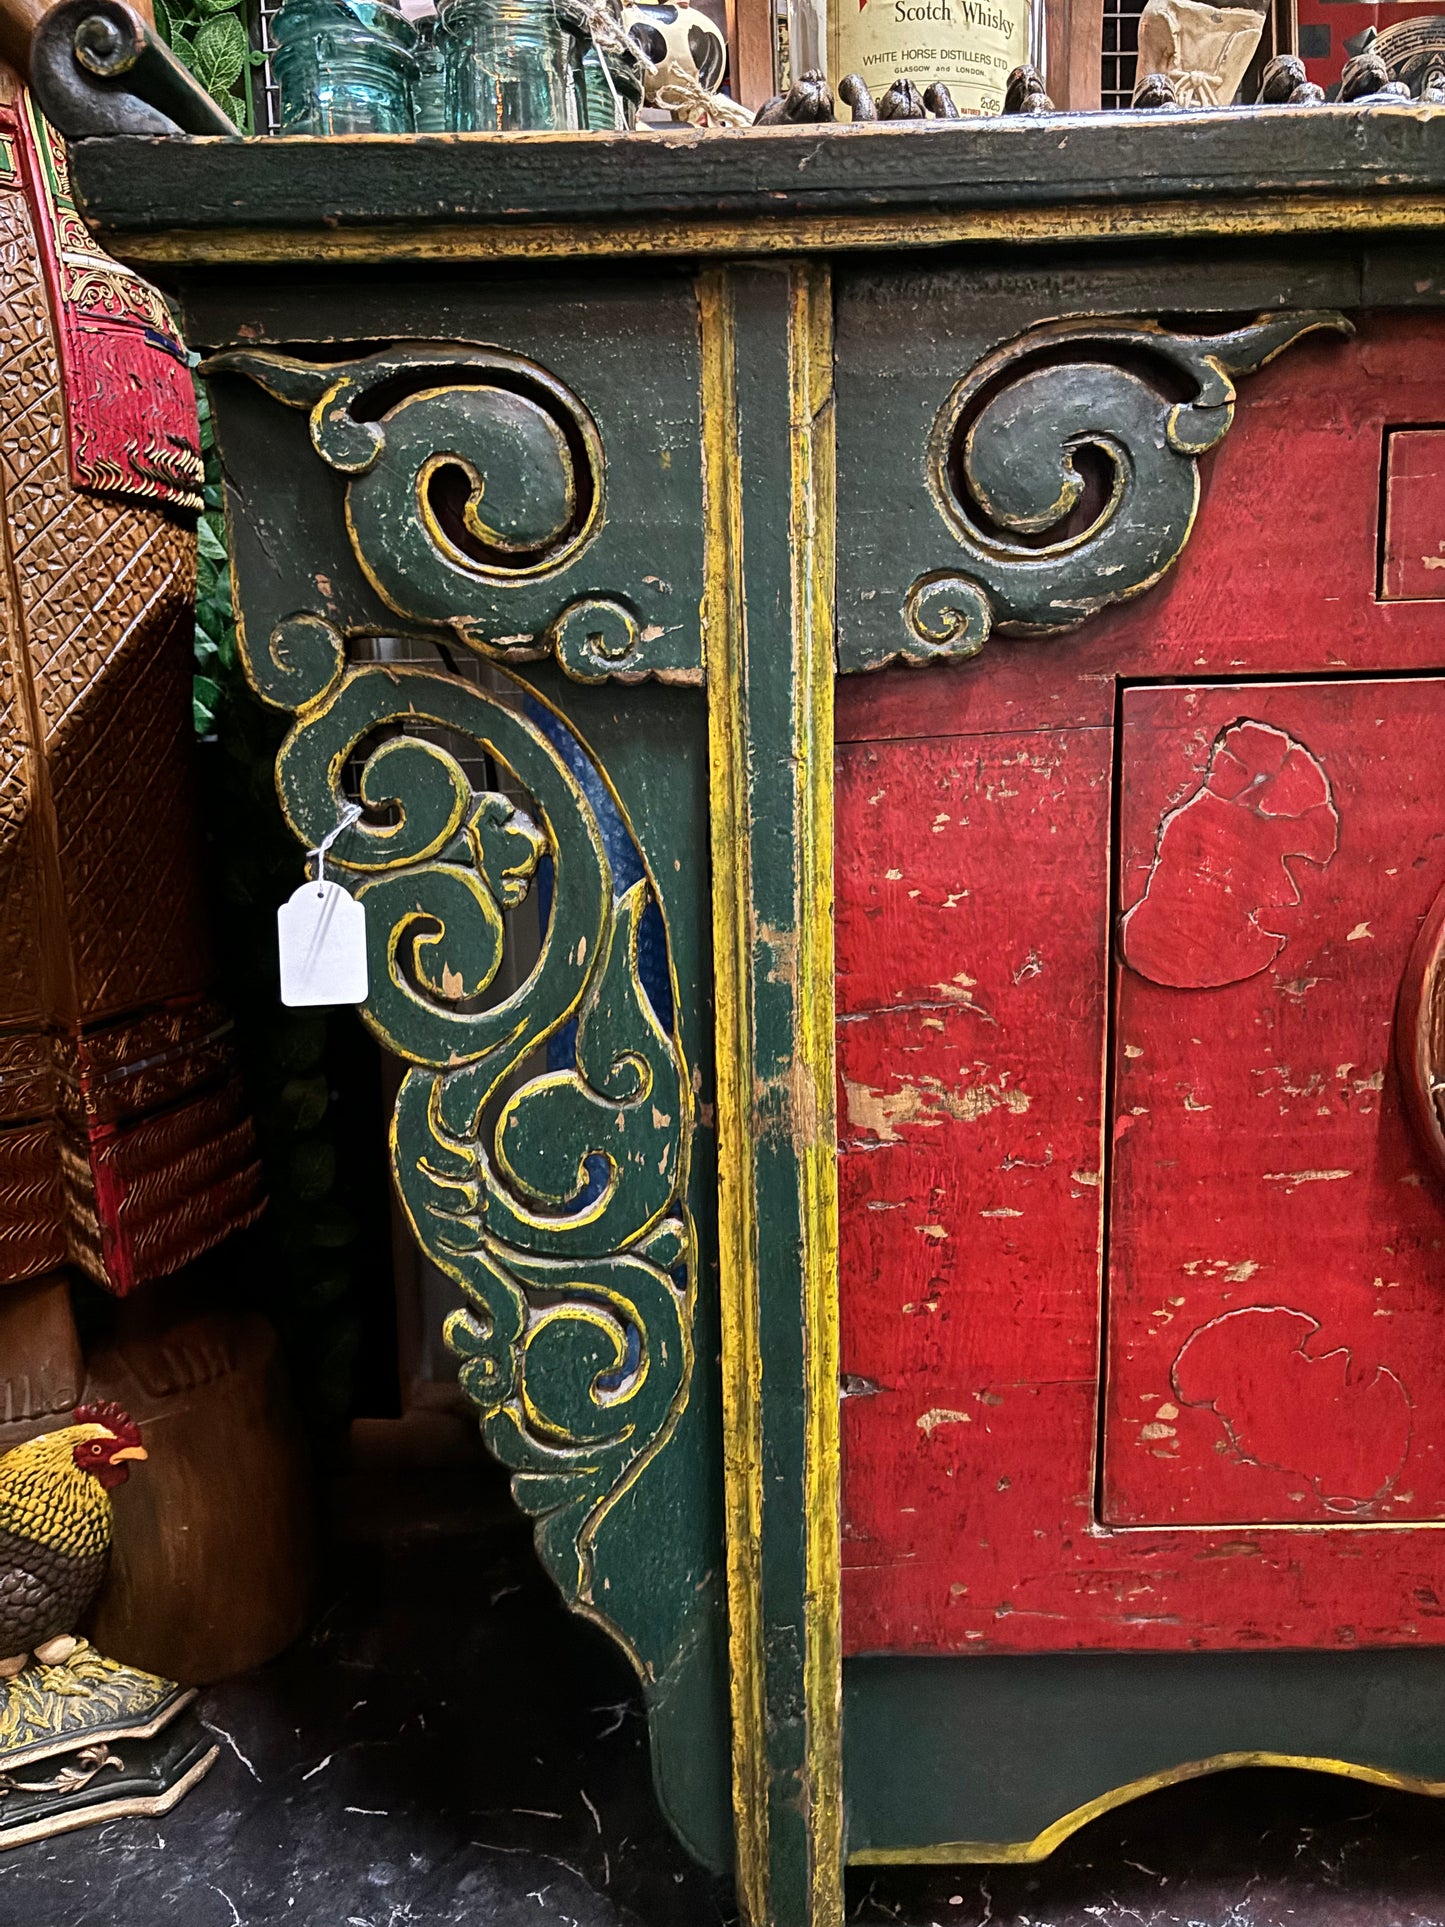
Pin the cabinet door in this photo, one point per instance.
(1143, 1262)
(1142, 1265)
(1276, 1285)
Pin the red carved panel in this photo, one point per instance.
(1276, 1313)
(1281, 800)
(130, 408)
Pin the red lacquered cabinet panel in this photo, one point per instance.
(1142, 1263)
(1276, 1301)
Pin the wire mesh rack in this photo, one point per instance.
(1120, 55)
(265, 93)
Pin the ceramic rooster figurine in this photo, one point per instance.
(55, 1531)
(106, 1737)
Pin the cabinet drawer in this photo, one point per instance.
(1276, 1290)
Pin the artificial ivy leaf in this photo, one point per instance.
(163, 20)
(208, 542)
(205, 700)
(221, 49)
(305, 1100)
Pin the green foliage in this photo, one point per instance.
(210, 37)
(215, 619)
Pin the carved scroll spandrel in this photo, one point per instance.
(556, 1198)
(1064, 466)
(481, 496)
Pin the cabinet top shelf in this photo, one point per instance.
(177, 205)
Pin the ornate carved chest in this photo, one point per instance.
(927, 649)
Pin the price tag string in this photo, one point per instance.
(351, 813)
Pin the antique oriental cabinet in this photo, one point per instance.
(943, 631)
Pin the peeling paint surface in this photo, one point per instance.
(1290, 1404)
(1225, 862)
(1241, 1145)
(1274, 1197)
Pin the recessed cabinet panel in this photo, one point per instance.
(1412, 560)
(1276, 1307)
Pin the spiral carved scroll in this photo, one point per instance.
(476, 500)
(556, 1199)
(1050, 534)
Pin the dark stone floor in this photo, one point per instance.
(1245, 1849)
(450, 1747)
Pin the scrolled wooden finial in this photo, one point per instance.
(902, 102)
(1025, 93)
(809, 100)
(1155, 91)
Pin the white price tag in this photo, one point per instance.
(321, 930)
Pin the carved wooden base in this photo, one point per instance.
(93, 1740)
(41, 1368)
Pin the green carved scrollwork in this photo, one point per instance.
(556, 1197)
(476, 498)
(1004, 474)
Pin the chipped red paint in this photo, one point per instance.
(1285, 1404)
(1223, 873)
(989, 1047)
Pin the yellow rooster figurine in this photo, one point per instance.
(103, 1737)
(55, 1531)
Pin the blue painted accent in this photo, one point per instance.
(627, 869)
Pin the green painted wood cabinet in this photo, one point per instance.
(572, 481)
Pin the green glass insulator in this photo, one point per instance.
(345, 67)
(607, 78)
(429, 95)
(507, 66)
(602, 104)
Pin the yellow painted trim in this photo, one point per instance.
(723, 619)
(958, 1852)
(811, 524)
(377, 242)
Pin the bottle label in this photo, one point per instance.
(970, 45)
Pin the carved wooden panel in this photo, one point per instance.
(514, 501)
(125, 1148)
(1058, 474)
